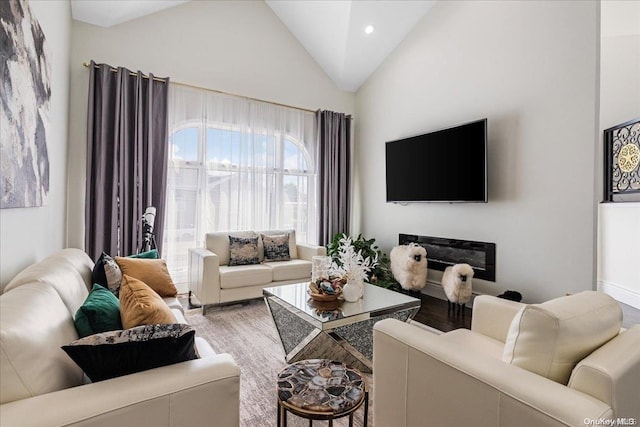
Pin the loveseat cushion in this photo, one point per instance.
(246, 275)
(141, 305)
(243, 250)
(549, 339)
(34, 324)
(293, 247)
(276, 247)
(116, 353)
(291, 270)
(218, 243)
(99, 313)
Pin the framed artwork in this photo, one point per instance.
(622, 162)
(25, 78)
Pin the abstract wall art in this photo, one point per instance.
(25, 93)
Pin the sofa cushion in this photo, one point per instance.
(116, 353)
(549, 339)
(34, 324)
(99, 313)
(152, 254)
(107, 273)
(293, 247)
(276, 247)
(247, 275)
(291, 270)
(218, 243)
(243, 250)
(153, 272)
(141, 305)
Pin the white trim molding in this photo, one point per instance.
(620, 293)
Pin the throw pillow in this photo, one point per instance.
(243, 250)
(141, 305)
(152, 254)
(100, 312)
(152, 272)
(276, 247)
(106, 273)
(549, 339)
(116, 353)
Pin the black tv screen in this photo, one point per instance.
(449, 165)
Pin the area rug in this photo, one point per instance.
(247, 333)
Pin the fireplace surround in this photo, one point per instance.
(443, 252)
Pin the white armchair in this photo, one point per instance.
(557, 363)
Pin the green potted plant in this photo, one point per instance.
(379, 274)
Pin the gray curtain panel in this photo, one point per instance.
(127, 151)
(334, 169)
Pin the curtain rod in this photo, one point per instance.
(87, 65)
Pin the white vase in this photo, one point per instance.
(352, 291)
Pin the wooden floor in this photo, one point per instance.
(434, 312)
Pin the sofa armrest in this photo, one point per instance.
(419, 377)
(204, 275)
(492, 316)
(192, 393)
(307, 251)
(612, 374)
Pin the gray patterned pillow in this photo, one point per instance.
(276, 247)
(243, 250)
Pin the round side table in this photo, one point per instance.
(321, 389)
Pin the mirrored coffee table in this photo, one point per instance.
(337, 330)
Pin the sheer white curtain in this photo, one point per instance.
(236, 164)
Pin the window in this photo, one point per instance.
(225, 176)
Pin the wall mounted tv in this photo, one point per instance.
(448, 165)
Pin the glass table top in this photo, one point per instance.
(376, 301)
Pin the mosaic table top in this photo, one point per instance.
(321, 385)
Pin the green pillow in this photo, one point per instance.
(100, 312)
(152, 254)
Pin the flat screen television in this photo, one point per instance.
(448, 165)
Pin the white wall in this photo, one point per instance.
(237, 47)
(531, 69)
(30, 234)
(619, 223)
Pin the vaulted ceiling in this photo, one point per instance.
(333, 32)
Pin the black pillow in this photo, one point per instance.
(116, 353)
(106, 273)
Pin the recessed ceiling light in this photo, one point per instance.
(369, 29)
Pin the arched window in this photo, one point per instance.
(226, 177)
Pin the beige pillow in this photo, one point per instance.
(549, 339)
(141, 305)
(153, 272)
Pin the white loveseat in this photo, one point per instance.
(515, 367)
(214, 281)
(42, 386)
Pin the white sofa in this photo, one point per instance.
(214, 282)
(510, 368)
(42, 386)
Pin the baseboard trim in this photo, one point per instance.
(620, 293)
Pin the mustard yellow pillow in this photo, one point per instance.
(141, 305)
(153, 272)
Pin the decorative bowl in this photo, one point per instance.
(319, 291)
